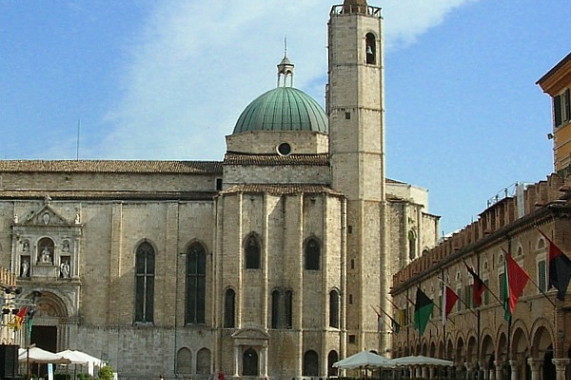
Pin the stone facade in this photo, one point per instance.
(272, 263)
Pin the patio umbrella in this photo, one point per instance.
(37, 355)
(81, 358)
(421, 360)
(364, 359)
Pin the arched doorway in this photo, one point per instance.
(250, 363)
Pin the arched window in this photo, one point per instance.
(203, 362)
(252, 251)
(229, 308)
(288, 309)
(275, 309)
(312, 253)
(310, 364)
(371, 49)
(332, 358)
(412, 244)
(250, 363)
(195, 284)
(144, 283)
(334, 309)
(183, 360)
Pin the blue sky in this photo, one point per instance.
(168, 79)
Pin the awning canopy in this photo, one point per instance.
(364, 359)
(421, 360)
(37, 355)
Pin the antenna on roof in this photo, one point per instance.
(285, 46)
(77, 142)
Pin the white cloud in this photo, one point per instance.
(196, 65)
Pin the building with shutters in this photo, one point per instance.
(523, 222)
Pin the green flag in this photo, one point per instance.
(422, 311)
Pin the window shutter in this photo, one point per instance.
(557, 110)
(541, 275)
(567, 105)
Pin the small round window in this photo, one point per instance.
(284, 149)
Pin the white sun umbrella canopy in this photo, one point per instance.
(81, 358)
(37, 355)
(364, 359)
(421, 360)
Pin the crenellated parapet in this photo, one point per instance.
(533, 199)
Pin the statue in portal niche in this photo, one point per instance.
(64, 269)
(25, 268)
(46, 256)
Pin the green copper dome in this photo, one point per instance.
(283, 109)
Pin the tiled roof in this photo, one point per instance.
(276, 159)
(281, 189)
(112, 166)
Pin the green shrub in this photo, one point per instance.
(83, 376)
(106, 373)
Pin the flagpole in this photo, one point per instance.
(393, 322)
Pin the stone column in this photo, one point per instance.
(236, 361)
(499, 370)
(424, 370)
(560, 367)
(536, 365)
(264, 362)
(515, 365)
(431, 372)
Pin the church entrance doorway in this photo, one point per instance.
(44, 337)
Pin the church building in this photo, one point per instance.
(273, 262)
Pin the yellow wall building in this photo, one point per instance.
(557, 84)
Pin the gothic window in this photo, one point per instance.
(310, 364)
(275, 308)
(250, 363)
(312, 254)
(332, 358)
(144, 283)
(334, 309)
(252, 251)
(195, 284)
(371, 49)
(229, 308)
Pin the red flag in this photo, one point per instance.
(559, 269)
(20, 317)
(451, 299)
(516, 280)
(478, 287)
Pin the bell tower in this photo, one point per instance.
(355, 106)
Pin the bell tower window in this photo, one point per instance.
(371, 49)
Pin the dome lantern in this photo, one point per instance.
(285, 68)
